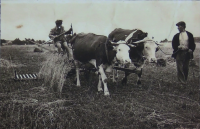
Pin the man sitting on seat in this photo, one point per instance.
(60, 41)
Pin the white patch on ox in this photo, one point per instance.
(115, 75)
(101, 76)
(122, 53)
(77, 73)
(130, 35)
(93, 62)
(109, 69)
(99, 87)
(149, 51)
(104, 80)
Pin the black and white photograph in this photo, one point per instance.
(99, 64)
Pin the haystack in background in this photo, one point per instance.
(38, 50)
(54, 70)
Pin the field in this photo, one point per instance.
(159, 102)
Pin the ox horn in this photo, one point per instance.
(143, 40)
(130, 35)
(140, 41)
(157, 43)
(119, 42)
(131, 45)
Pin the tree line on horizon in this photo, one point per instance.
(17, 41)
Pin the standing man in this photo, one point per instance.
(60, 41)
(184, 46)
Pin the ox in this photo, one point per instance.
(144, 49)
(96, 50)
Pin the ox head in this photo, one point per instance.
(149, 48)
(122, 52)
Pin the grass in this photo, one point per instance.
(159, 102)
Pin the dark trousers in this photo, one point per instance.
(182, 62)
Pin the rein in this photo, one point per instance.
(166, 53)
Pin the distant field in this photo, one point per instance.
(159, 102)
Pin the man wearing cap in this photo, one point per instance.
(184, 46)
(60, 41)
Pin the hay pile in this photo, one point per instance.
(54, 70)
(5, 63)
(37, 50)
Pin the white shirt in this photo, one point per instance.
(183, 39)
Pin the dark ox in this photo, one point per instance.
(144, 49)
(99, 52)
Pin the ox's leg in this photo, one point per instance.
(100, 84)
(99, 87)
(114, 80)
(115, 75)
(104, 80)
(124, 80)
(139, 76)
(77, 73)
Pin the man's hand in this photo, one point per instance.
(53, 37)
(190, 51)
(182, 48)
(69, 31)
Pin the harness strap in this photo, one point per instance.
(167, 54)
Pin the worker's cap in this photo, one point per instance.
(181, 23)
(58, 22)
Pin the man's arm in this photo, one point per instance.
(51, 34)
(174, 44)
(192, 43)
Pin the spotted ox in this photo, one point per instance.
(98, 51)
(144, 49)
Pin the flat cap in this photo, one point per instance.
(181, 23)
(58, 22)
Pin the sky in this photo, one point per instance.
(35, 19)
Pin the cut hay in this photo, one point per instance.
(54, 71)
(38, 50)
(5, 63)
(8, 64)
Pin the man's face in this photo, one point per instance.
(181, 28)
(58, 25)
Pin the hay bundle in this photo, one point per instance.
(161, 62)
(5, 63)
(37, 50)
(54, 70)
